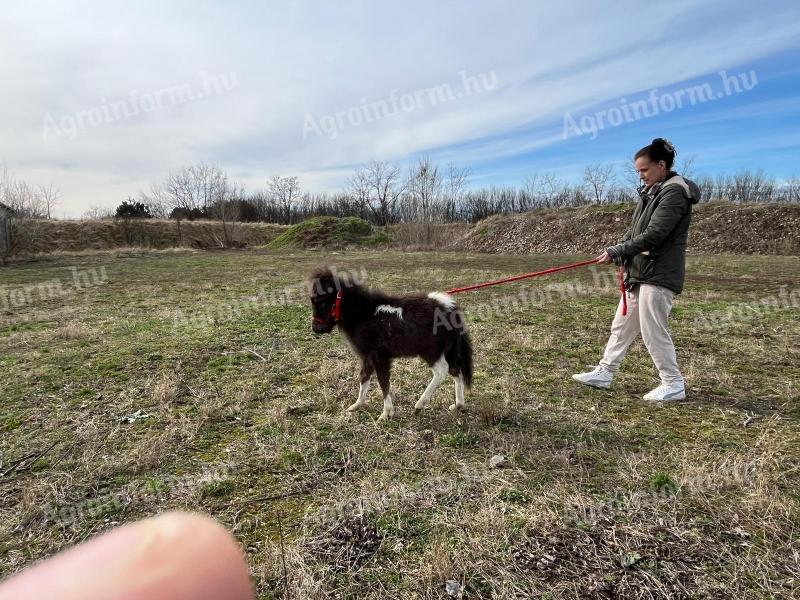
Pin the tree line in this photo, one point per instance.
(384, 193)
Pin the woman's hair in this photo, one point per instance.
(659, 149)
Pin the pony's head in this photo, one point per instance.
(326, 288)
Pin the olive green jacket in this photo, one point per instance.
(654, 248)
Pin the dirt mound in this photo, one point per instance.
(330, 232)
(717, 228)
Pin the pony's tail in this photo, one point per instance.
(460, 358)
(465, 351)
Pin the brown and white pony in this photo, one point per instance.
(381, 328)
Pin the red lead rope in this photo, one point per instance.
(622, 292)
(584, 263)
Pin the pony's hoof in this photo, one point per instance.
(420, 406)
(354, 407)
(386, 415)
(456, 407)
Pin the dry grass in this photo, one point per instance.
(72, 330)
(419, 236)
(42, 237)
(164, 388)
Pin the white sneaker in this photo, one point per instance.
(666, 392)
(599, 377)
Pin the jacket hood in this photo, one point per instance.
(689, 187)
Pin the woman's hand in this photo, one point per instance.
(604, 258)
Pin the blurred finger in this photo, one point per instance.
(174, 556)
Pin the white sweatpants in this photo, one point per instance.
(648, 312)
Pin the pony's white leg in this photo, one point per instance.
(459, 404)
(363, 396)
(439, 369)
(388, 408)
(382, 369)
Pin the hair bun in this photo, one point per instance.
(667, 145)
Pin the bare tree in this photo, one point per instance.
(454, 186)
(172, 199)
(385, 188)
(358, 188)
(548, 189)
(226, 204)
(597, 179)
(190, 190)
(749, 186)
(284, 191)
(793, 190)
(630, 175)
(707, 188)
(201, 190)
(50, 196)
(425, 187)
(722, 186)
(621, 194)
(263, 205)
(98, 213)
(556, 193)
(529, 192)
(686, 166)
(377, 187)
(23, 198)
(157, 200)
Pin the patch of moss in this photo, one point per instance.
(515, 496)
(457, 439)
(661, 482)
(290, 458)
(217, 489)
(9, 422)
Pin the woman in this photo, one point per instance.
(653, 254)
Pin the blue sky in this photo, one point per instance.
(272, 73)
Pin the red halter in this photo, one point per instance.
(336, 310)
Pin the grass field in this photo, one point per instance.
(242, 416)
